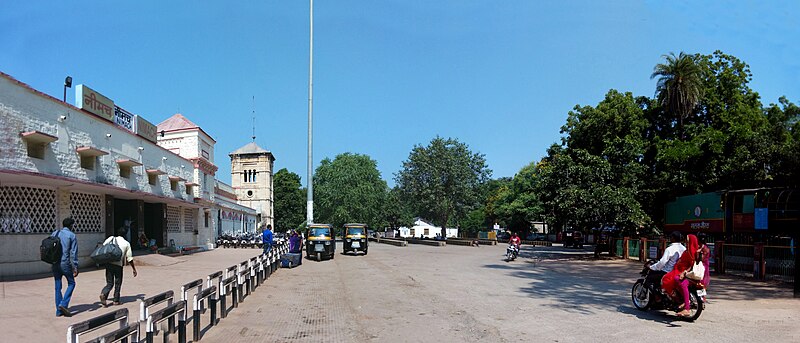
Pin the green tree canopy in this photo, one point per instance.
(290, 201)
(442, 180)
(349, 189)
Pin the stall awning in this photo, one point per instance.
(90, 151)
(38, 137)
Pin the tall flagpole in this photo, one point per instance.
(309, 178)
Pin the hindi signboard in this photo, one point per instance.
(146, 129)
(124, 119)
(94, 102)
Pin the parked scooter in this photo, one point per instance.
(646, 295)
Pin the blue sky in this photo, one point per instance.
(498, 75)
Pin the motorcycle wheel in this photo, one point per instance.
(640, 296)
(696, 306)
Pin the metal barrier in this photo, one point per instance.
(780, 262)
(120, 316)
(178, 310)
(253, 279)
(185, 290)
(211, 277)
(197, 302)
(228, 285)
(242, 279)
(146, 304)
(618, 247)
(120, 335)
(738, 258)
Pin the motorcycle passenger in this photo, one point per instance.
(667, 262)
(675, 282)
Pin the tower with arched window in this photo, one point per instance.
(251, 178)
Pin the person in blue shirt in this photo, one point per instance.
(67, 268)
(266, 238)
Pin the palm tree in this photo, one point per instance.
(679, 86)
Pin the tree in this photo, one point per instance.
(443, 179)
(679, 86)
(395, 210)
(290, 200)
(349, 189)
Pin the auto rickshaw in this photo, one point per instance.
(320, 241)
(355, 238)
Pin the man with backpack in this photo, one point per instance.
(66, 266)
(114, 268)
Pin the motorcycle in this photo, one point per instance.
(647, 295)
(511, 252)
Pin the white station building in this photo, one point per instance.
(103, 166)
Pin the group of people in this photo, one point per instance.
(295, 241)
(678, 259)
(68, 267)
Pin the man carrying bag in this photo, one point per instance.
(116, 252)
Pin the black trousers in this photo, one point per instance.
(113, 279)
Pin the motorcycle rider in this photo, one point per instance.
(515, 241)
(667, 262)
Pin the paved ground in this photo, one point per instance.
(456, 294)
(426, 294)
(27, 307)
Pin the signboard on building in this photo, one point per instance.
(94, 102)
(762, 218)
(124, 119)
(146, 129)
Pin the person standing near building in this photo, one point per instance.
(266, 238)
(114, 269)
(68, 266)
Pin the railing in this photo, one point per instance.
(780, 263)
(250, 274)
(738, 258)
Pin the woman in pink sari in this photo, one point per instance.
(676, 279)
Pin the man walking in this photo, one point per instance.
(114, 269)
(67, 267)
(266, 238)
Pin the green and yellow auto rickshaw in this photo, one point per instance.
(320, 241)
(355, 238)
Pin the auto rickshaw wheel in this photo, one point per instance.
(319, 257)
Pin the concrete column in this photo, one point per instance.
(625, 252)
(109, 199)
(62, 206)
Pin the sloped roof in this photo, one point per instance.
(250, 148)
(176, 122)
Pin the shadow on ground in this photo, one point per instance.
(577, 282)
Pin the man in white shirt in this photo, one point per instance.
(114, 269)
(671, 255)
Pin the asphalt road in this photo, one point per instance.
(457, 293)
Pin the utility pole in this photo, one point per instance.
(309, 178)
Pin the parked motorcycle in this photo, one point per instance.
(511, 252)
(647, 295)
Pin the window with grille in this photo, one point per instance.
(27, 210)
(189, 219)
(173, 219)
(87, 210)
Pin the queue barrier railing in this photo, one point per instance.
(120, 316)
(198, 301)
(176, 310)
